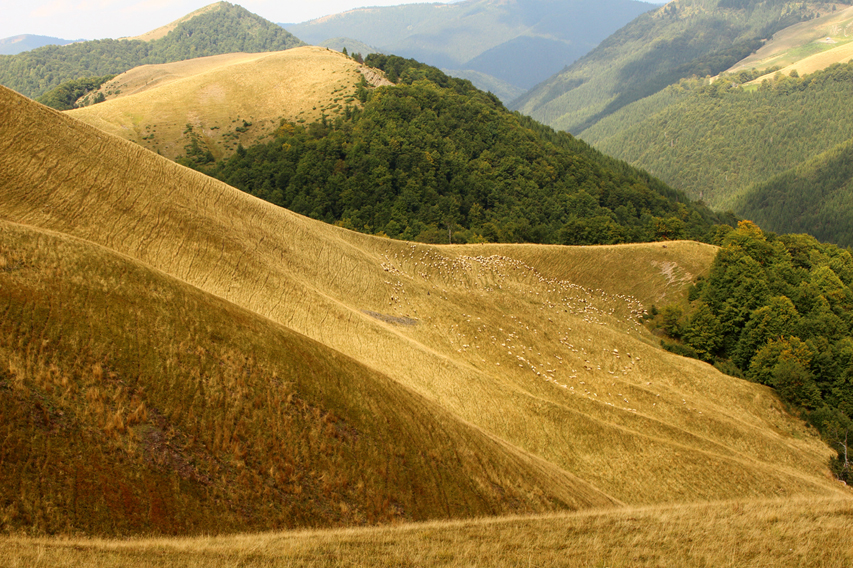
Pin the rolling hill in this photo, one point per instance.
(532, 353)
(679, 40)
(766, 534)
(503, 46)
(218, 29)
(224, 100)
(445, 160)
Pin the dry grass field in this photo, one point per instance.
(533, 356)
(733, 534)
(223, 100)
(806, 47)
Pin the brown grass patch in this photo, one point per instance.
(227, 99)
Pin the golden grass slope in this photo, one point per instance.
(225, 99)
(163, 31)
(516, 340)
(132, 403)
(759, 534)
(806, 47)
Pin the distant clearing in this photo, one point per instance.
(226, 99)
(805, 47)
(539, 347)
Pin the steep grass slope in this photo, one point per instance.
(224, 100)
(512, 339)
(132, 402)
(802, 533)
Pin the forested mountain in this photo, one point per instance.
(682, 39)
(815, 198)
(20, 43)
(226, 29)
(507, 46)
(434, 159)
(779, 311)
(715, 140)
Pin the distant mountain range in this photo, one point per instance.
(682, 39)
(20, 43)
(507, 46)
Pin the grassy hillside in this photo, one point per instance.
(803, 533)
(713, 141)
(682, 39)
(222, 28)
(815, 197)
(522, 342)
(490, 42)
(221, 101)
(161, 408)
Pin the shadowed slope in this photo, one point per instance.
(501, 336)
(223, 100)
(157, 407)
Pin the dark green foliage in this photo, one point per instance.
(816, 197)
(64, 97)
(434, 159)
(780, 310)
(229, 29)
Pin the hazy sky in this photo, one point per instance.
(97, 19)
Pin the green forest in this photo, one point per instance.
(433, 159)
(777, 310)
(715, 140)
(229, 29)
(814, 198)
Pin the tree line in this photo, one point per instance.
(777, 310)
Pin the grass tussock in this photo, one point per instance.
(759, 534)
